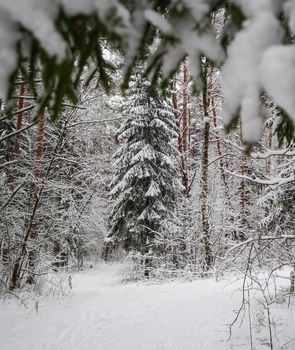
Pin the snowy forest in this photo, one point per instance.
(147, 171)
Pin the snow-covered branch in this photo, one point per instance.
(274, 182)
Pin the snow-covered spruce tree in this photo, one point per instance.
(146, 184)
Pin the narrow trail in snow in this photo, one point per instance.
(103, 314)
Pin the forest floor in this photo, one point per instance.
(101, 313)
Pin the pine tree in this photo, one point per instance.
(145, 187)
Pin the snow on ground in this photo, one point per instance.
(104, 314)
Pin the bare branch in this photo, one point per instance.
(17, 131)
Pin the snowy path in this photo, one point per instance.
(103, 314)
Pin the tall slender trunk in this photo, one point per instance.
(185, 115)
(185, 126)
(19, 121)
(39, 147)
(191, 155)
(242, 190)
(269, 145)
(180, 137)
(205, 238)
(176, 113)
(219, 150)
(38, 178)
(31, 232)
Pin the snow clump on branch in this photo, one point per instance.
(258, 59)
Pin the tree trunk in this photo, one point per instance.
(180, 137)
(38, 178)
(19, 122)
(242, 190)
(147, 265)
(269, 145)
(22, 255)
(219, 149)
(185, 127)
(205, 238)
(185, 115)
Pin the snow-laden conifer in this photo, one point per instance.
(145, 187)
